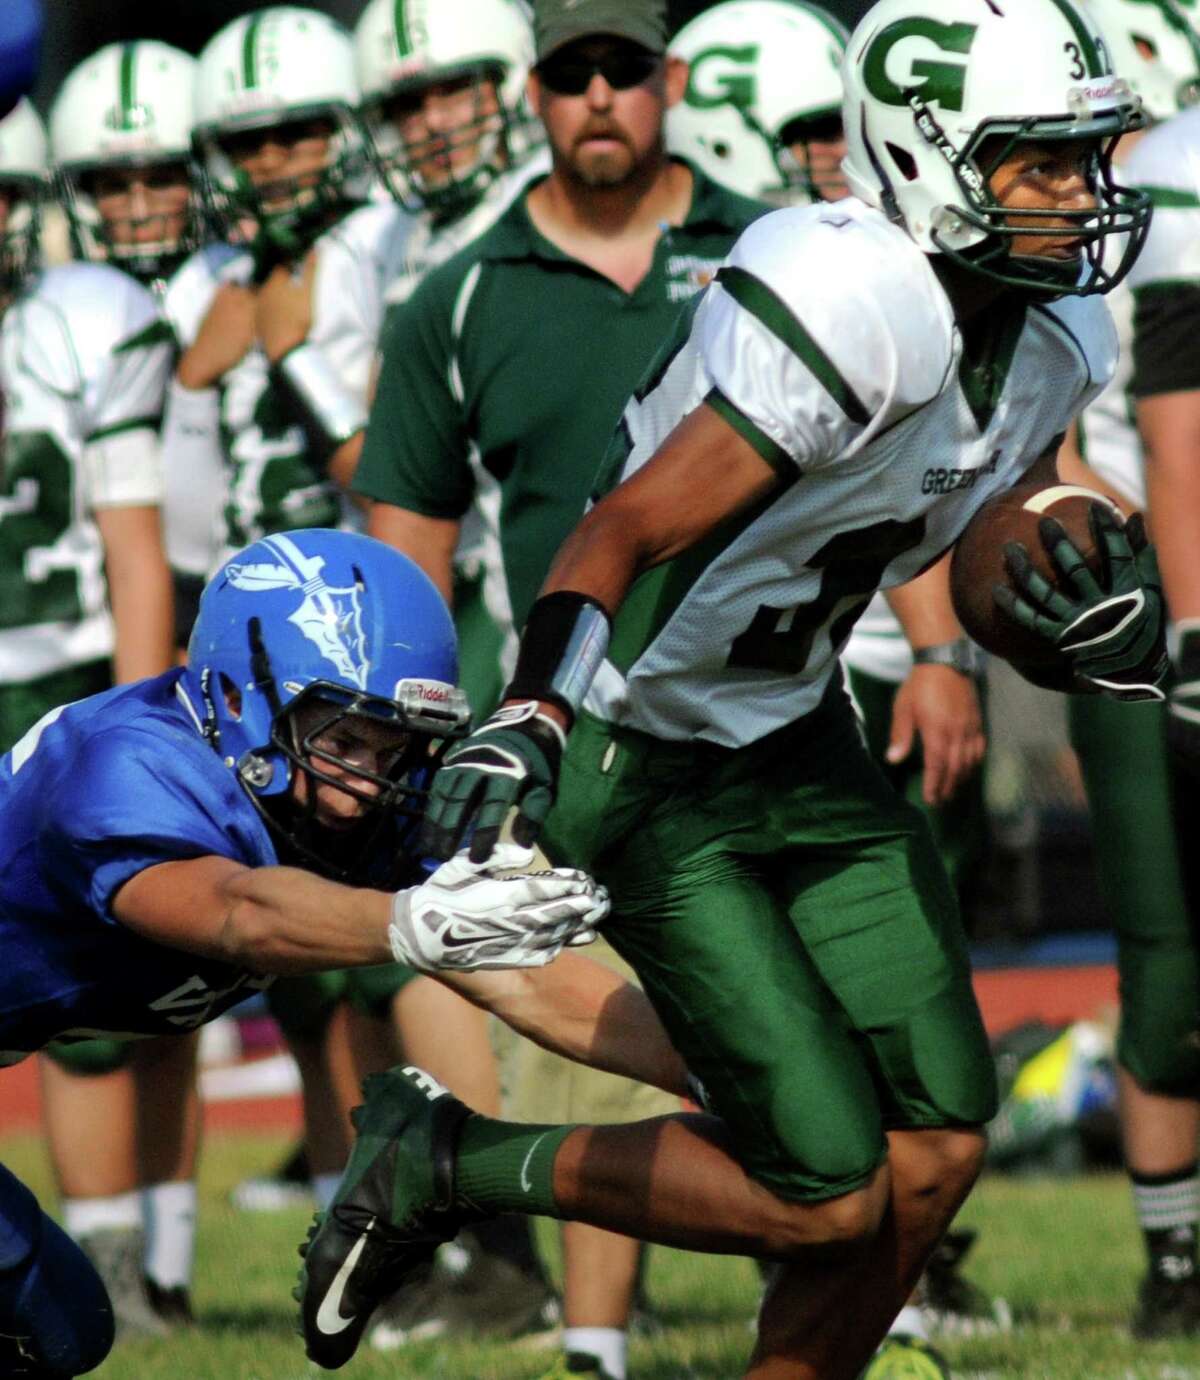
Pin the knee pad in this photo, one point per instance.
(89, 1058)
(51, 1298)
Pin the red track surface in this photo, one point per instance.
(1007, 996)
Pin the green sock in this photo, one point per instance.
(506, 1166)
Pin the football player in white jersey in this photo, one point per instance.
(290, 338)
(1134, 789)
(120, 130)
(763, 107)
(763, 113)
(285, 171)
(453, 140)
(787, 913)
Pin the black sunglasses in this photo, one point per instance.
(622, 70)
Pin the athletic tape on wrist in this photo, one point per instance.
(563, 646)
(326, 404)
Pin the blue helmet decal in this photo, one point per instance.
(330, 617)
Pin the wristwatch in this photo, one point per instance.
(961, 655)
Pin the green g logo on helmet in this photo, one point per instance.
(938, 82)
(723, 84)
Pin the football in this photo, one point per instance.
(978, 564)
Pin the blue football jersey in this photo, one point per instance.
(92, 795)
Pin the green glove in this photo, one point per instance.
(1110, 628)
(511, 759)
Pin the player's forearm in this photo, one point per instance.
(583, 1011)
(139, 591)
(430, 542)
(923, 607)
(281, 920)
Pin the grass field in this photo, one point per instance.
(1064, 1253)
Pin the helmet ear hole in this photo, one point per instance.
(904, 161)
(232, 696)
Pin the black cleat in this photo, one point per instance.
(394, 1206)
(1167, 1308)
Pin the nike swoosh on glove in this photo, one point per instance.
(465, 917)
(1111, 627)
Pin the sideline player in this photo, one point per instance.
(1141, 795)
(286, 343)
(168, 846)
(768, 886)
(502, 377)
(120, 131)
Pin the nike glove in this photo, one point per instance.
(512, 759)
(1111, 627)
(465, 917)
(1183, 703)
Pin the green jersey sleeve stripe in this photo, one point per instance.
(774, 313)
(1172, 198)
(158, 332)
(775, 455)
(129, 424)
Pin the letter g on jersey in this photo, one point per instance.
(938, 82)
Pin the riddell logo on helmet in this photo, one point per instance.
(1103, 91)
(428, 691)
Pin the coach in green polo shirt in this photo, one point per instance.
(503, 378)
(505, 373)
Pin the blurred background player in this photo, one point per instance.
(521, 351)
(87, 601)
(286, 179)
(452, 141)
(1141, 800)
(120, 132)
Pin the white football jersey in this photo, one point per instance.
(194, 472)
(878, 646)
(829, 343)
(84, 362)
(428, 242)
(275, 481)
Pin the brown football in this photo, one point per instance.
(978, 563)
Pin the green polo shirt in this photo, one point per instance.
(505, 374)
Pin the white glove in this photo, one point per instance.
(465, 916)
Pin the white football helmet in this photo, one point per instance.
(129, 105)
(24, 180)
(275, 67)
(762, 73)
(403, 46)
(1154, 47)
(928, 81)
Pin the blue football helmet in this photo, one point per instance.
(300, 632)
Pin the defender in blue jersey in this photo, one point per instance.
(169, 846)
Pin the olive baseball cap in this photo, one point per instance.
(559, 22)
